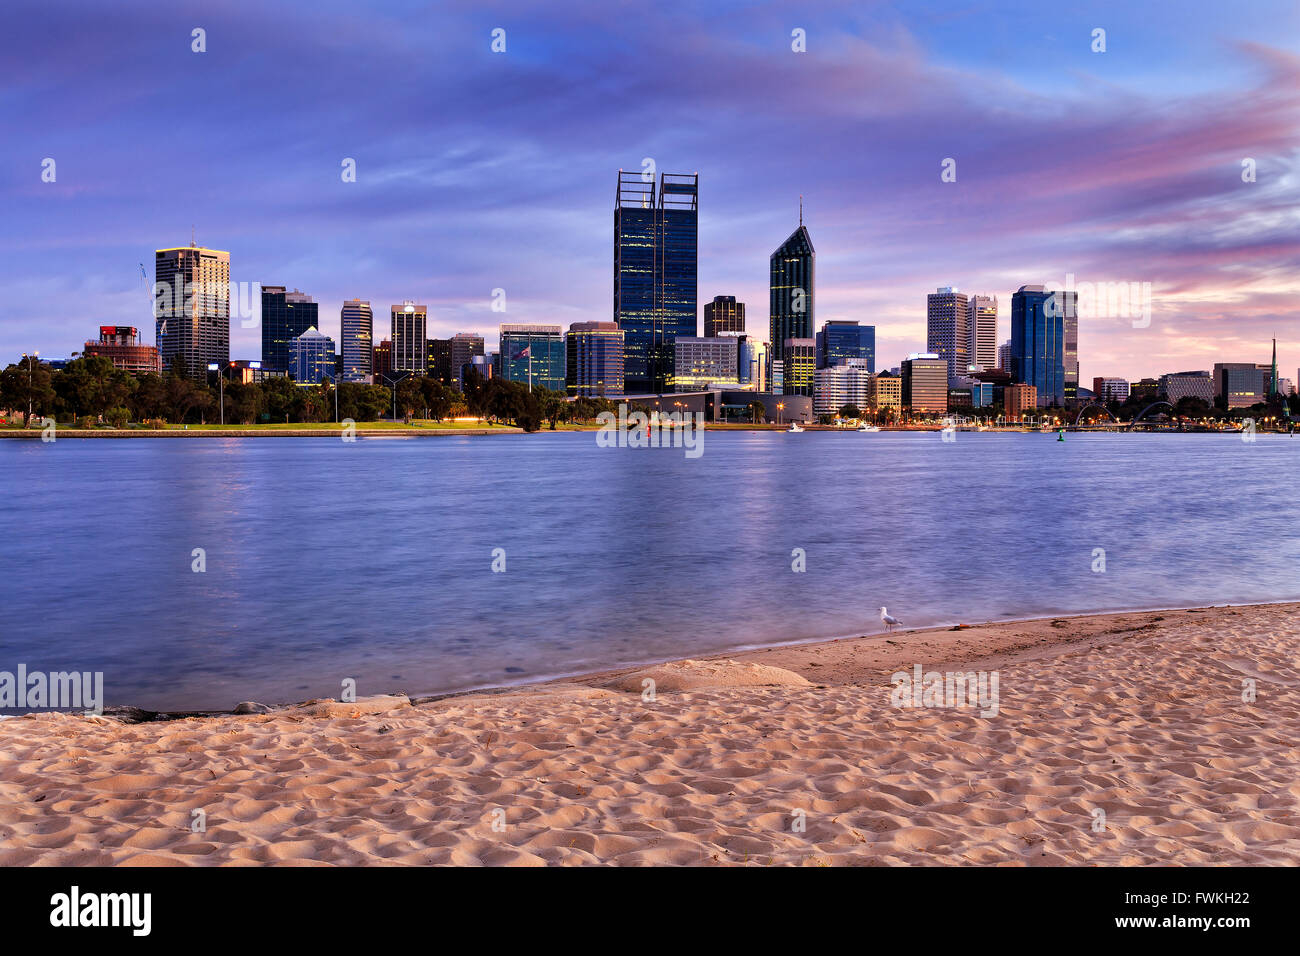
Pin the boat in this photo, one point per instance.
(794, 427)
(869, 428)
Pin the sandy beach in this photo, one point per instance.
(1117, 739)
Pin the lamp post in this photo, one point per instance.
(780, 407)
(30, 359)
(221, 388)
(392, 381)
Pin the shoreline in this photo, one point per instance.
(789, 653)
(1158, 737)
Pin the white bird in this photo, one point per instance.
(888, 620)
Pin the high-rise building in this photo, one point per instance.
(925, 382)
(465, 347)
(381, 362)
(723, 314)
(1242, 384)
(356, 329)
(1018, 399)
(1038, 340)
(885, 394)
(798, 364)
(533, 354)
(1176, 386)
(440, 360)
(285, 316)
(410, 344)
(751, 363)
(1004, 356)
(192, 308)
(594, 360)
(841, 340)
(700, 362)
(1110, 389)
(835, 386)
(946, 333)
(1071, 328)
(791, 295)
(311, 357)
(120, 344)
(656, 238)
(982, 331)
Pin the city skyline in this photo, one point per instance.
(515, 195)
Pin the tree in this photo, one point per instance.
(27, 383)
(850, 411)
(757, 412)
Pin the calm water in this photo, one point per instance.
(372, 560)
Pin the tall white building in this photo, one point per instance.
(356, 325)
(410, 346)
(192, 308)
(982, 330)
(835, 386)
(699, 362)
(946, 334)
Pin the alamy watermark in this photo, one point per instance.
(52, 690)
(651, 430)
(946, 689)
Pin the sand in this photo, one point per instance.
(791, 756)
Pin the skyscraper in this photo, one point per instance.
(594, 359)
(925, 383)
(311, 357)
(798, 366)
(440, 360)
(533, 354)
(840, 340)
(285, 316)
(356, 327)
(1038, 340)
(701, 362)
(1071, 320)
(192, 308)
(946, 335)
(1004, 356)
(723, 314)
(381, 362)
(410, 346)
(656, 237)
(792, 270)
(982, 331)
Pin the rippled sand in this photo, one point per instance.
(789, 756)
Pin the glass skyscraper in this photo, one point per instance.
(790, 304)
(533, 354)
(656, 239)
(1038, 340)
(285, 316)
(839, 341)
(594, 363)
(356, 325)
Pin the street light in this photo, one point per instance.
(221, 388)
(29, 383)
(392, 382)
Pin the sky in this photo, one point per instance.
(479, 170)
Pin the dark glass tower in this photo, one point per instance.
(840, 340)
(285, 316)
(791, 300)
(656, 241)
(1038, 340)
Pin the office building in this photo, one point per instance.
(409, 342)
(946, 333)
(982, 331)
(1241, 384)
(751, 363)
(799, 361)
(533, 354)
(841, 340)
(356, 348)
(885, 394)
(791, 298)
(121, 345)
(381, 363)
(465, 348)
(838, 385)
(1017, 400)
(702, 362)
(656, 238)
(925, 383)
(285, 316)
(311, 357)
(594, 360)
(192, 308)
(439, 364)
(1070, 327)
(724, 314)
(1110, 389)
(1004, 356)
(1038, 340)
(1176, 386)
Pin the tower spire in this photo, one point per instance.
(801, 209)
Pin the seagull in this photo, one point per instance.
(888, 620)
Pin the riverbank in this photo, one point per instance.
(1113, 739)
(364, 430)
